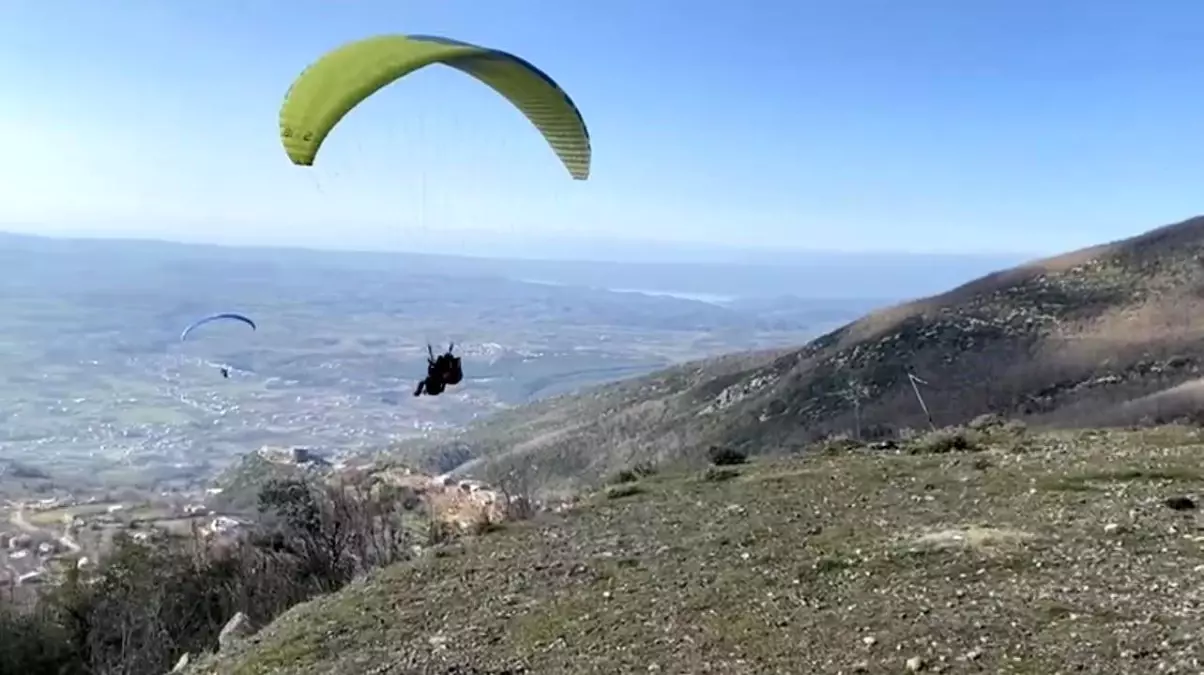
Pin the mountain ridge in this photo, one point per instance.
(1082, 337)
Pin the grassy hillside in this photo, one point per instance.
(1112, 334)
(1034, 554)
(562, 443)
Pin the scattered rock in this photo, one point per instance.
(237, 628)
(1179, 503)
(915, 664)
(971, 537)
(438, 642)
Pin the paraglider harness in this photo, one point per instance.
(441, 372)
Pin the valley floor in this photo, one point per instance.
(1034, 554)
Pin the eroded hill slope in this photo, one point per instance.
(1062, 341)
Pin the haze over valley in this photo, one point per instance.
(99, 390)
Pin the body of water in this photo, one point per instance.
(712, 298)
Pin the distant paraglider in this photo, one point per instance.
(215, 317)
(341, 79)
(224, 370)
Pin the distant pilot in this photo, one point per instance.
(441, 372)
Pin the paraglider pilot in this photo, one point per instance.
(441, 372)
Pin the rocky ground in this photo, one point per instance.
(1076, 552)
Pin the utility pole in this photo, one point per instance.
(919, 397)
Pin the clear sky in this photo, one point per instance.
(928, 125)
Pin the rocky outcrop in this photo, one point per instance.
(238, 628)
(460, 502)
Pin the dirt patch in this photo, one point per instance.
(974, 537)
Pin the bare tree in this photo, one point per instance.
(855, 392)
(149, 602)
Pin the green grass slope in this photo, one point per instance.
(1036, 554)
(560, 444)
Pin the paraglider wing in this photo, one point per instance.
(216, 317)
(337, 82)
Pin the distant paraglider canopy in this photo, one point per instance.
(216, 317)
(335, 84)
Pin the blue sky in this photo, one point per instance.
(928, 125)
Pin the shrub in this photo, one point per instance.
(149, 602)
(33, 643)
(716, 474)
(726, 456)
(634, 473)
(623, 490)
(952, 439)
(986, 422)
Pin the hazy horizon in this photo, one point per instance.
(559, 247)
(678, 270)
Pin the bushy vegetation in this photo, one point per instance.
(940, 441)
(634, 473)
(726, 456)
(150, 602)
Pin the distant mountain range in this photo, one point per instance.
(809, 275)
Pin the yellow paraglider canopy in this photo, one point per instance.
(337, 82)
